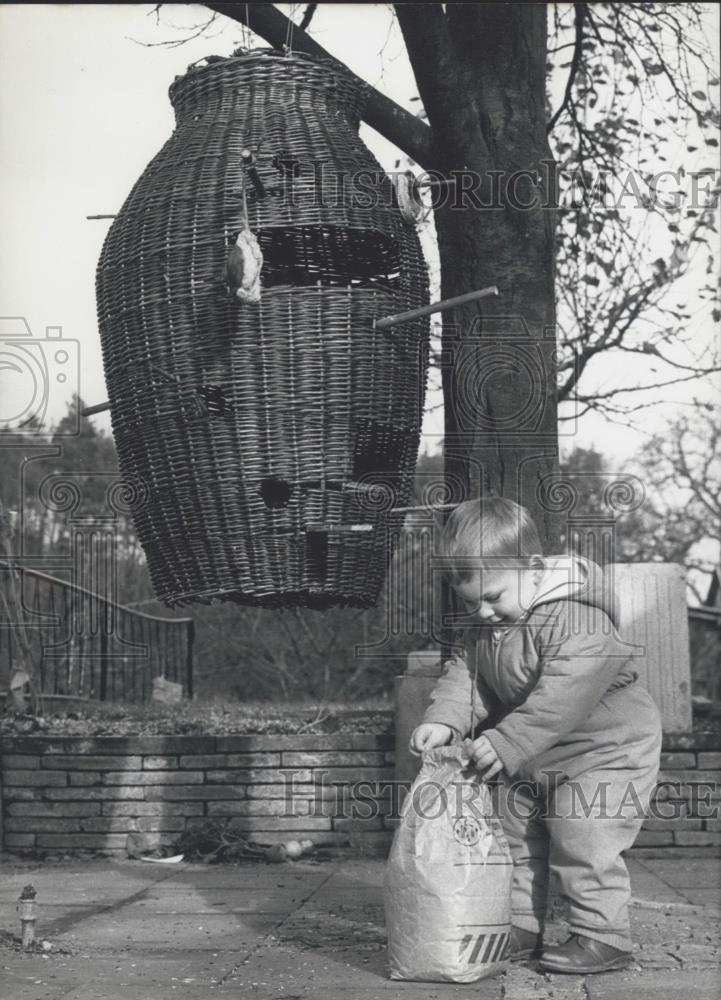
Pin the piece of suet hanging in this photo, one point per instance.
(243, 267)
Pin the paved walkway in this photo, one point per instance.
(128, 930)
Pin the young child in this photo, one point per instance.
(572, 737)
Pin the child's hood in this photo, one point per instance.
(577, 579)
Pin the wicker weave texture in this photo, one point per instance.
(243, 428)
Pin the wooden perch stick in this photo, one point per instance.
(441, 306)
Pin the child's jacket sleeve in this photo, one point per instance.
(580, 657)
(451, 698)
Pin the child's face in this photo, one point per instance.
(500, 596)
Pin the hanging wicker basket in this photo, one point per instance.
(264, 444)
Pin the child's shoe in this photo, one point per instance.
(524, 945)
(582, 956)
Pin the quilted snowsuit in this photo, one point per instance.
(579, 740)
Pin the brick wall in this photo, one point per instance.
(687, 805)
(89, 794)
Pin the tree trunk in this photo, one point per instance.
(480, 70)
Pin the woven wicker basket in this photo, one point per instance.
(264, 444)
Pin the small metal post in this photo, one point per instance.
(28, 915)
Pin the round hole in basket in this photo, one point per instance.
(275, 492)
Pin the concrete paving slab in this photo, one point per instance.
(360, 872)
(703, 897)
(652, 986)
(686, 871)
(524, 982)
(305, 932)
(251, 876)
(687, 878)
(219, 901)
(122, 932)
(283, 971)
(54, 978)
(17, 987)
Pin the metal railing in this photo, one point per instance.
(82, 645)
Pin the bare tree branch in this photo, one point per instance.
(580, 11)
(392, 121)
(308, 16)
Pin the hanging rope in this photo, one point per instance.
(244, 196)
(247, 38)
(289, 30)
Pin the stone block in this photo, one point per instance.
(334, 758)
(17, 794)
(250, 776)
(159, 763)
(39, 777)
(186, 793)
(697, 838)
(348, 775)
(258, 807)
(83, 841)
(92, 762)
(153, 778)
(675, 761)
(130, 824)
(54, 809)
(20, 762)
(109, 824)
(260, 824)
(19, 841)
(653, 838)
(710, 760)
(279, 791)
(672, 824)
(690, 741)
(217, 761)
(357, 825)
(86, 778)
(114, 792)
(153, 809)
(37, 824)
(688, 776)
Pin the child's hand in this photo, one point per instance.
(485, 758)
(430, 735)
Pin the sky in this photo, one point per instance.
(83, 108)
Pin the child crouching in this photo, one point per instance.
(572, 737)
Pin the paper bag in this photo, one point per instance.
(447, 889)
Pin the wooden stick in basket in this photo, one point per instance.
(434, 307)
